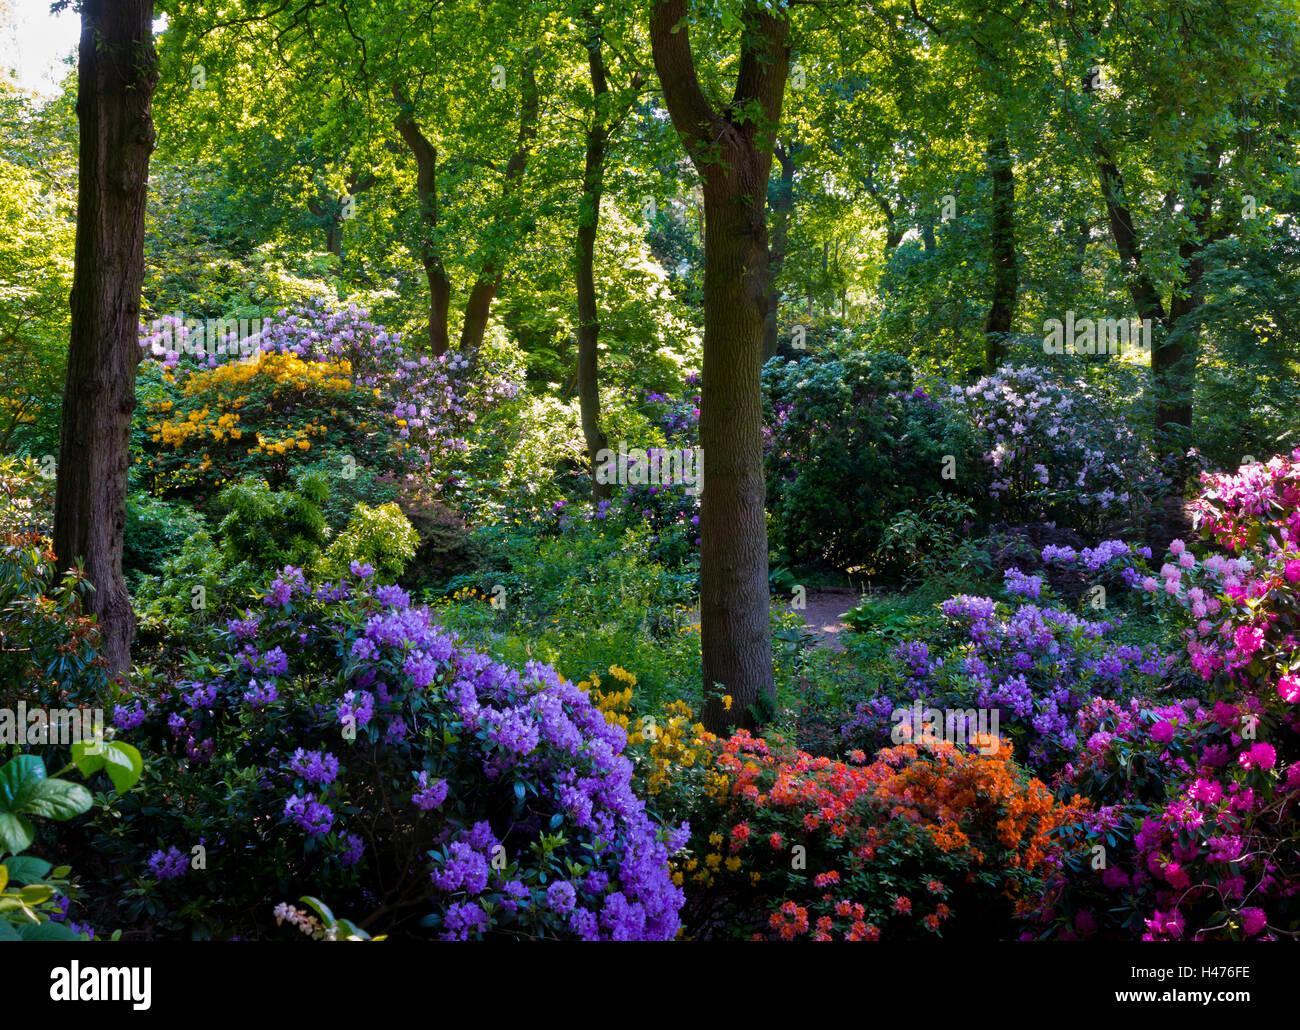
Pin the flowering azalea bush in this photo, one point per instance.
(1198, 825)
(263, 418)
(341, 742)
(1057, 448)
(913, 845)
(433, 402)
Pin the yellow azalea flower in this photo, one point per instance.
(733, 864)
(726, 702)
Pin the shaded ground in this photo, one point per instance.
(822, 613)
(824, 606)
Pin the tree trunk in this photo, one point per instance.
(781, 203)
(478, 309)
(1174, 363)
(116, 76)
(426, 190)
(1006, 281)
(734, 606)
(585, 265)
(928, 242)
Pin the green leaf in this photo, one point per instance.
(26, 869)
(46, 932)
(57, 799)
(18, 778)
(16, 833)
(322, 910)
(35, 893)
(121, 760)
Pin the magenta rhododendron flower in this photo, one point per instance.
(1248, 639)
(1260, 756)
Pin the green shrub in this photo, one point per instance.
(853, 443)
(380, 537)
(155, 531)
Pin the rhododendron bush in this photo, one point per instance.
(1058, 448)
(1199, 798)
(1035, 665)
(320, 384)
(341, 744)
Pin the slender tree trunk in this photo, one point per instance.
(893, 225)
(585, 264)
(478, 309)
(781, 203)
(928, 242)
(426, 190)
(116, 76)
(734, 606)
(1006, 279)
(1082, 237)
(1174, 363)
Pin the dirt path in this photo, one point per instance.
(821, 613)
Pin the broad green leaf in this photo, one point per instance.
(27, 869)
(46, 932)
(35, 893)
(18, 778)
(16, 833)
(57, 799)
(122, 761)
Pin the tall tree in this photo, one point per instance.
(1002, 245)
(731, 149)
(116, 77)
(603, 121)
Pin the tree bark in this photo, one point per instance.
(426, 189)
(585, 262)
(893, 226)
(330, 211)
(734, 165)
(781, 204)
(116, 76)
(1006, 278)
(478, 308)
(928, 242)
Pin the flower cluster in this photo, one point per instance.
(1037, 666)
(888, 850)
(362, 734)
(1052, 449)
(1205, 789)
